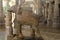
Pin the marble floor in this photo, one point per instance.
(2, 35)
(45, 34)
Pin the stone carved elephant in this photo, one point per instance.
(25, 17)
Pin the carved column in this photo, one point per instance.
(39, 8)
(46, 11)
(49, 20)
(21, 2)
(17, 2)
(56, 15)
(9, 19)
(2, 21)
(9, 22)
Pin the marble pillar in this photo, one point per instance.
(56, 15)
(8, 22)
(21, 2)
(39, 9)
(49, 19)
(17, 2)
(46, 12)
(9, 18)
(2, 20)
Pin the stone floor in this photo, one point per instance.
(50, 36)
(47, 34)
(2, 35)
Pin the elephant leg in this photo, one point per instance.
(36, 29)
(20, 34)
(37, 32)
(17, 30)
(33, 32)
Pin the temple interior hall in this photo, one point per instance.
(29, 19)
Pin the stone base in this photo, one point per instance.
(30, 38)
(25, 38)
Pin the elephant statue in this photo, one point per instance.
(25, 16)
